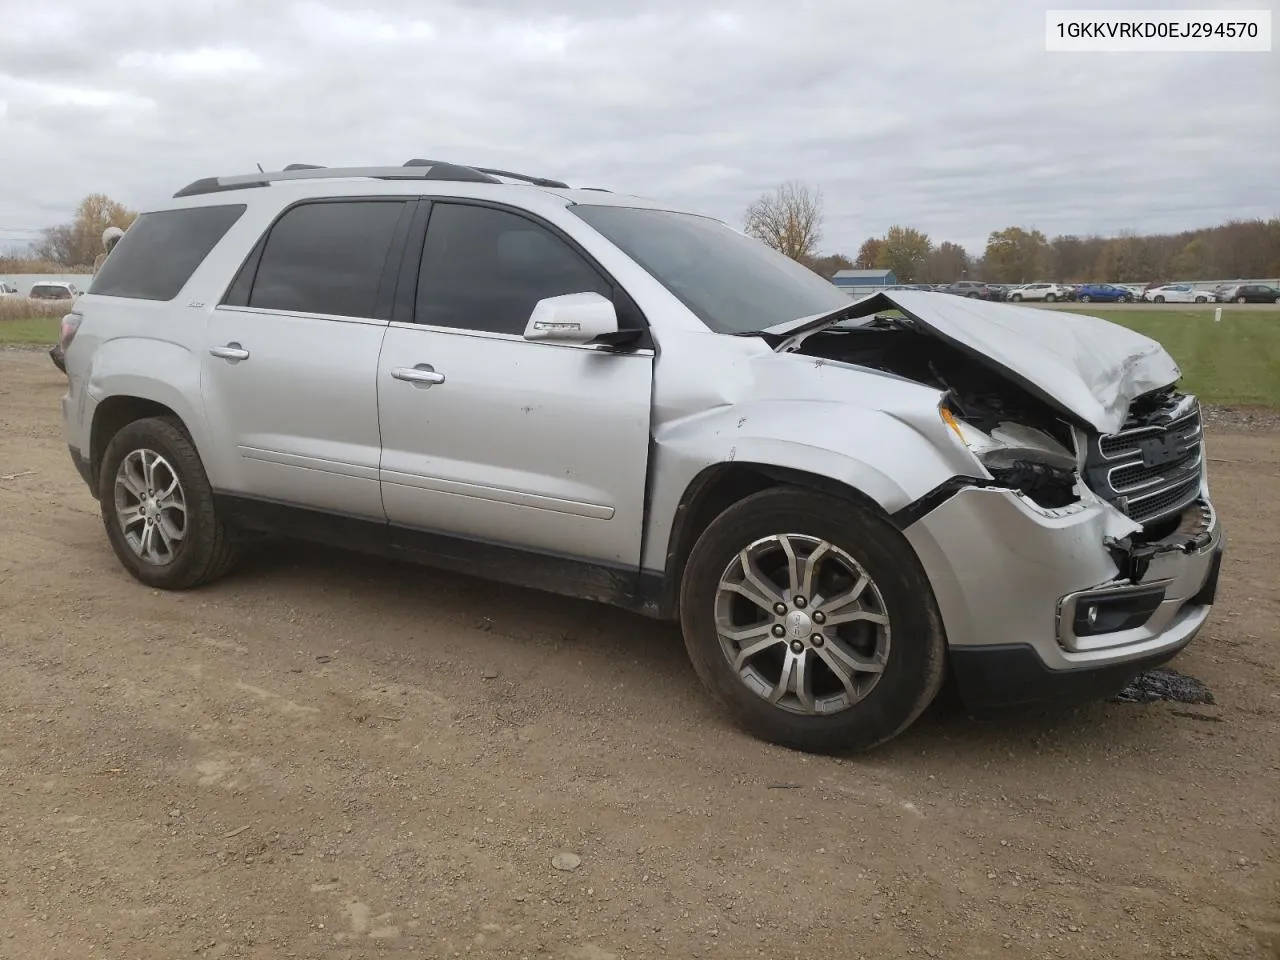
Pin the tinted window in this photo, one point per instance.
(484, 269)
(327, 258)
(731, 282)
(157, 255)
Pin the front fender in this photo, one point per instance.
(123, 368)
(893, 459)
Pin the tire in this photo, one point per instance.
(1201, 300)
(1277, 300)
(1245, 300)
(1085, 298)
(1159, 299)
(1016, 298)
(972, 296)
(912, 657)
(203, 550)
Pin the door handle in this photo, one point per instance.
(232, 351)
(423, 373)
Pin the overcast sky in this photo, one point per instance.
(940, 114)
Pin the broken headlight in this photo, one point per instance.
(1021, 458)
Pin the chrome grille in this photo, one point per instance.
(1153, 467)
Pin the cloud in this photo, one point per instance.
(950, 117)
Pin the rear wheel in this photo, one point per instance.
(157, 507)
(810, 618)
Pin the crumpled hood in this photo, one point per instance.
(1085, 366)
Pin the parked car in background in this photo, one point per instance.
(1177, 293)
(8, 289)
(974, 289)
(53, 290)
(1103, 293)
(1248, 293)
(1048, 292)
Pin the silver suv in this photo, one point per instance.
(840, 501)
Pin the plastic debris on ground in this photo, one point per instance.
(1162, 684)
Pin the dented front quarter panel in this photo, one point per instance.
(733, 400)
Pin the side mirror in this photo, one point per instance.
(572, 318)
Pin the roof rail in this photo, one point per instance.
(415, 170)
(536, 181)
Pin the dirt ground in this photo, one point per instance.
(331, 757)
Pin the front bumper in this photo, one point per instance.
(1015, 583)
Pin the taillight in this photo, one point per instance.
(70, 324)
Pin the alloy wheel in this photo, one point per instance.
(150, 506)
(802, 624)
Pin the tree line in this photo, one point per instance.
(789, 219)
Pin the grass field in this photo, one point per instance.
(41, 330)
(1236, 361)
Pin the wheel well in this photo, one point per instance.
(111, 416)
(719, 487)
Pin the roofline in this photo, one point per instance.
(412, 170)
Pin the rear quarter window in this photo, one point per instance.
(157, 255)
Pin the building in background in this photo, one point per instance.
(864, 278)
(859, 283)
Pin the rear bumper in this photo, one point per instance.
(1053, 605)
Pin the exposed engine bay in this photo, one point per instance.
(1150, 470)
(1037, 447)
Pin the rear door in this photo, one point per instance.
(289, 376)
(535, 445)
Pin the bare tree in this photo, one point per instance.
(77, 243)
(789, 219)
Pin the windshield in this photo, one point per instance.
(732, 283)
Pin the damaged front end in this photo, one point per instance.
(1089, 546)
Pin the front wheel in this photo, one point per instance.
(1085, 298)
(1016, 298)
(1245, 300)
(1050, 298)
(158, 510)
(1159, 299)
(811, 619)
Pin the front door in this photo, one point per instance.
(289, 372)
(490, 437)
